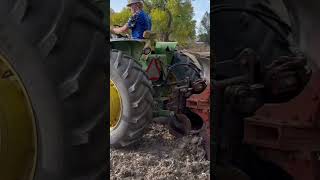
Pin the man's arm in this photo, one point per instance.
(122, 29)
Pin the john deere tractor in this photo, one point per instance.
(150, 79)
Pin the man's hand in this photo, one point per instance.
(111, 30)
(120, 30)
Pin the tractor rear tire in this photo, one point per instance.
(183, 71)
(136, 96)
(58, 51)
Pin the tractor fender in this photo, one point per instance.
(205, 71)
(193, 58)
(162, 47)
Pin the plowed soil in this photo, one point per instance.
(161, 156)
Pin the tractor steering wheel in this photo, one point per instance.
(122, 36)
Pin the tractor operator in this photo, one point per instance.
(138, 22)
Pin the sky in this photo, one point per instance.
(199, 7)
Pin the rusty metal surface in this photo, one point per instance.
(294, 163)
(288, 134)
(200, 104)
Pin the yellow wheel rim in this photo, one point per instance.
(18, 142)
(115, 106)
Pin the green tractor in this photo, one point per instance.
(149, 80)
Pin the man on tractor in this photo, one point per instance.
(138, 22)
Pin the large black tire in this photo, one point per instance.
(58, 49)
(235, 31)
(186, 70)
(136, 92)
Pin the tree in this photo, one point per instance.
(171, 19)
(205, 22)
(120, 18)
(204, 30)
(183, 26)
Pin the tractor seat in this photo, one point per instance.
(149, 35)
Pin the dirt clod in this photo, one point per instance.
(160, 156)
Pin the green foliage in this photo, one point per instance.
(203, 37)
(120, 18)
(159, 21)
(171, 19)
(183, 27)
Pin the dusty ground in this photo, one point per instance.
(159, 155)
(199, 48)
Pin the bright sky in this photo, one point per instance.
(199, 7)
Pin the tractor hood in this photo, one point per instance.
(162, 47)
(129, 46)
